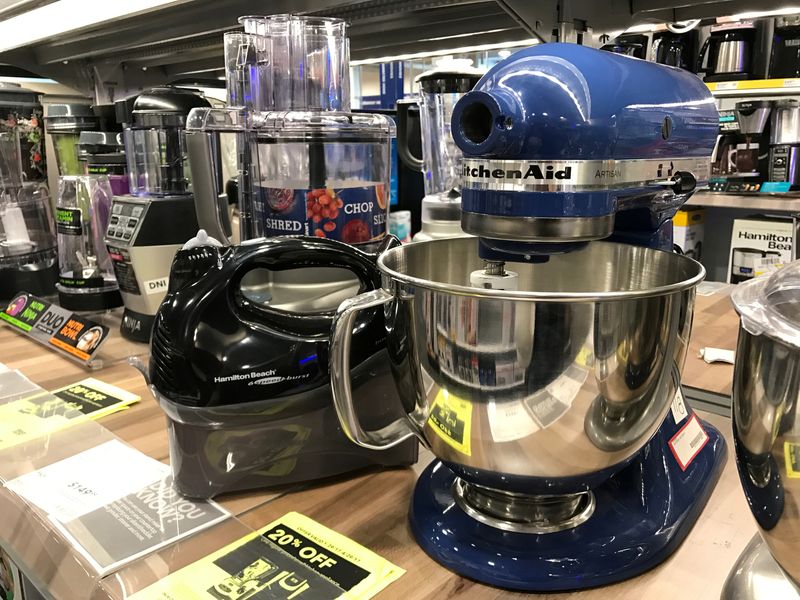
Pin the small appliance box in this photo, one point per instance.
(687, 231)
(760, 244)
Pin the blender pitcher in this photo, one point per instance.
(439, 90)
(27, 239)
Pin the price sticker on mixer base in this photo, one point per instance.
(678, 407)
(687, 443)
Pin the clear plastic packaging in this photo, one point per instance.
(768, 305)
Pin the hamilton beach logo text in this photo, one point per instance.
(259, 378)
(533, 171)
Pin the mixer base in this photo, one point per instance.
(643, 513)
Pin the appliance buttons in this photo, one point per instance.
(117, 209)
(137, 211)
(114, 220)
(132, 221)
(126, 235)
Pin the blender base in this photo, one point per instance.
(642, 515)
(758, 576)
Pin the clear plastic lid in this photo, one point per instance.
(770, 305)
(303, 63)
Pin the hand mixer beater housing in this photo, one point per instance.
(561, 465)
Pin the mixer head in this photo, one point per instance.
(564, 144)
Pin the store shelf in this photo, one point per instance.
(789, 203)
(756, 87)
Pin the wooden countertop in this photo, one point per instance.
(372, 507)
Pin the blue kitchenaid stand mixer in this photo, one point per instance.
(607, 147)
(567, 458)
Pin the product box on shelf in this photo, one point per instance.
(687, 231)
(760, 244)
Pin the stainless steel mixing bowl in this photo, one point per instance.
(766, 423)
(545, 390)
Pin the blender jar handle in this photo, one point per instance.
(395, 432)
(212, 215)
(701, 57)
(403, 151)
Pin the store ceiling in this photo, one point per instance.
(183, 41)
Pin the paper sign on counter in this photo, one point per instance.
(114, 504)
(292, 558)
(42, 413)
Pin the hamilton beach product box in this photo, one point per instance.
(760, 244)
(687, 231)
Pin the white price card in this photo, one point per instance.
(86, 481)
(687, 443)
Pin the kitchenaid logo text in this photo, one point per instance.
(534, 171)
(774, 241)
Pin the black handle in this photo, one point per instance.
(701, 56)
(403, 151)
(282, 254)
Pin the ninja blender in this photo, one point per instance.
(439, 90)
(28, 256)
(64, 123)
(147, 227)
(565, 455)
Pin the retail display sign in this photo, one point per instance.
(68, 333)
(114, 504)
(687, 443)
(293, 557)
(41, 413)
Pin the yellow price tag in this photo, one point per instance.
(451, 419)
(791, 454)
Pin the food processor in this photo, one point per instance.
(766, 383)
(149, 225)
(439, 90)
(565, 455)
(307, 165)
(28, 256)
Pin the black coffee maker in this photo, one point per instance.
(741, 158)
(674, 49)
(785, 58)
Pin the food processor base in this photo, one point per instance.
(757, 576)
(643, 513)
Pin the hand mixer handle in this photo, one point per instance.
(341, 335)
(299, 253)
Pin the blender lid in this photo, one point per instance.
(69, 117)
(101, 143)
(165, 107)
(452, 76)
(770, 305)
(13, 94)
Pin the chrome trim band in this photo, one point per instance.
(538, 229)
(575, 175)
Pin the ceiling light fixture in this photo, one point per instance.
(67, 16)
